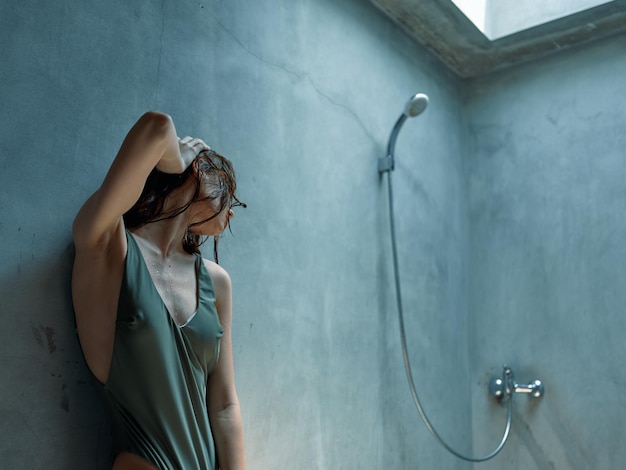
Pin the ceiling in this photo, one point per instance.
(440, 26)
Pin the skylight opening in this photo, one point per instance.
(475, 10)
(499, 18)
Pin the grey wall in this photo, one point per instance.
(301, 95)
(546, 179)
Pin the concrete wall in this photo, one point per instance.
(547, 201)
(302, 96)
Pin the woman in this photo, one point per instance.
(152, 316)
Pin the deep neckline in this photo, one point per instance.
(198, 273)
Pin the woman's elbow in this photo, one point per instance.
(157, 122)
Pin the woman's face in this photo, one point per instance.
(209, 214)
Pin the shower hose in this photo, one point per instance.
(407, 364)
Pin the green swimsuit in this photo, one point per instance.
(156, 390)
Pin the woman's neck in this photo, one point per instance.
(166, 236)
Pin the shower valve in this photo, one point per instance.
(506, 386)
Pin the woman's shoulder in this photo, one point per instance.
(219, 276)
(222, 287)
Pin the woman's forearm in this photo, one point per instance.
(228, 435)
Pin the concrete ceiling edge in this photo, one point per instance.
(442, 28)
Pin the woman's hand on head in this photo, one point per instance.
(190, 148)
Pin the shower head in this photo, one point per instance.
(416, 105)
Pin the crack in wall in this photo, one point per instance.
(300, 75)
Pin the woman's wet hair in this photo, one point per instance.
(212, 170)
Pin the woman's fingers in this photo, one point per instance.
(191, 147)
(199, 143)
(195, 143)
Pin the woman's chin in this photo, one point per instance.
(207, 232)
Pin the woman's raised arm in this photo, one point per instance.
(152, 142)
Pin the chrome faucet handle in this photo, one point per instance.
(535, 388)
(506, 386)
